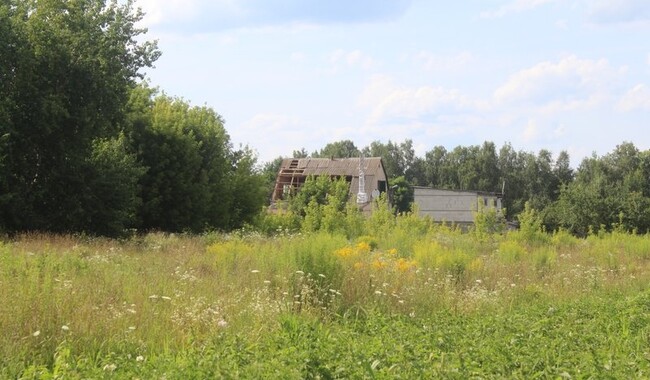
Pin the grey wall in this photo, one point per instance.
(451, 206)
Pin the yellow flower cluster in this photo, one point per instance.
(345, 252)
(404, 265)
(361, 255)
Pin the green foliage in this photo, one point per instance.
(276, 222)
(324, 205)
(67, 68)
(194, 179)
(611, 191)
(247, 187)
(114, 187)
(531, 229)
(487, 222)
(397, 158)
(401, 195)
(185, 152)
(382, 218)
(338, 149)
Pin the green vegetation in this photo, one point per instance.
(86, 146)
(407, 299)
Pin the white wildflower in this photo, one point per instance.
(140, 358)
(65, 328)
(36, 333)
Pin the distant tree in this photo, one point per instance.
(609, 191)
(269, 173)
(434, 162)
(418, 172)
(401, 194)
(302, 153)
(338, 149)
(397, 158)
(562, 169)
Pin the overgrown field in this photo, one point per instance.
(409, 300)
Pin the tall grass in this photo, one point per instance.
(90, 304)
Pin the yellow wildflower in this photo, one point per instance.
(404, 265)
(378, 264)
(344, 252)
(363, 247)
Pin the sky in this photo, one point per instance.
(568, 75)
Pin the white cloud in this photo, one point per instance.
(515, 6)
(267, 122)
(435, 62)
(531, 132)
(354, 58)
(298, 56)
(636, 98)
(620, 11)
(388, 101)
(568, 84)
(174, 11)
(559, 132)
(286, 131)
(562, 24)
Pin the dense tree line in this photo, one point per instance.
(85, 146)
(612, 191)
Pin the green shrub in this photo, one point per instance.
(276, 222)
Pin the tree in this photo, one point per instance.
(609, 191)
(562, 169)
(434, 161)
(186, 151)
(269, 173)
(397, 158)
(338, 149)
(401, 194)
(302, 153)
(67, 69)
(114, 176)
(248, 188)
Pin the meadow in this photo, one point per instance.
(405, 299)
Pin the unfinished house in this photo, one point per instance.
(452, 206)
(366, 176)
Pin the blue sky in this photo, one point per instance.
(286, 74)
